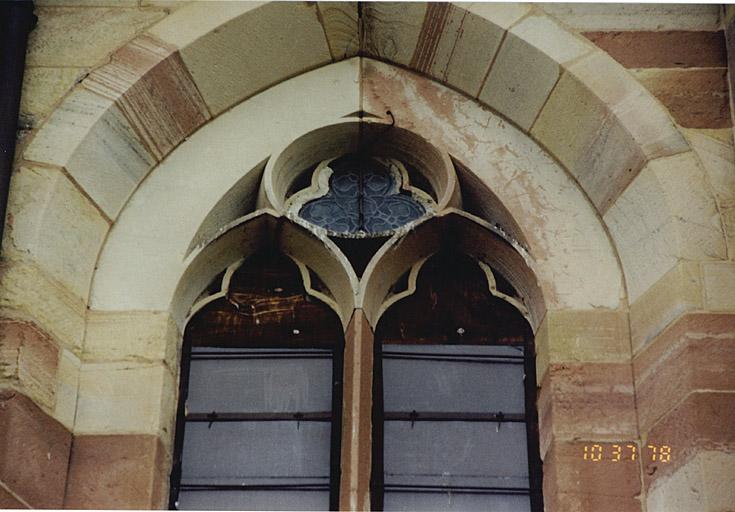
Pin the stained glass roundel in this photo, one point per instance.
(364, 198)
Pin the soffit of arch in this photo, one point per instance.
(597, 121)
(212, 179)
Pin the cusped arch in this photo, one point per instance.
(606, 130)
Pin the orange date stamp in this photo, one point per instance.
(610, 452)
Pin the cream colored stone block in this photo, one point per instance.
(718, 160)
(254, 51)
(67, 384)
(121, 397)
(131, 336)
(92, 140)
(392, 30)
(703, 484)
(84, 37)
(682, 491)
(339, 20)
(580, 130)
(465, 49)
(596, 336)
(643, 117)
(520, 81)
(502, 15)
(635, 16)
(719, 286)
(679, 290)
(717, 470)
(43, 88)
(55, 226)
(667, 213)
(27, 293)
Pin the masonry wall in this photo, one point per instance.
(679, 332)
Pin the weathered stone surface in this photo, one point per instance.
(95, 143)
(67, 385)
(339, 20)
(678, 291)
(123, 397)
(696, 98)
(27, 293)
(663, 49)
(633, 106)
(34, 452)
(55, 225)
(392, 31)
(116, 472)
(43, 88)
(601, 154)
(87, 3)
(573, 484)
(29, 357)
(701, 422)
(541, 197)
(648, 16)
(250, 52)
(666, 214)
(587, 400)
(582, 336)
(701, 484)
(695, 352)
(58, 40)
(719, 285)
(150, 85)
(132, 336)
(718, 159)
(9, 501)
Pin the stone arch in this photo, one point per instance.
(116, 142)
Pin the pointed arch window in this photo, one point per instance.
(454, 417)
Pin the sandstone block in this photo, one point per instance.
(58, 40)
(132, 336)
(123, 397)
(702, 422)
(148, 82)
(34, 452)
(696, 98)
(582, 336)
(666, 214)
(43, 88)
(116, 472)
(29, 357)
(588, 139)
(587, 400)
(678, 291)
(392, 31)
(339, 20)
(663, 49)
(719, 286)
(251, 52)
(10, 501)
(591, 16)
(634, 107)
(95, 143)
(695, 352)
(55, 225)
(572, 483)
(67, 385)
(28, 293)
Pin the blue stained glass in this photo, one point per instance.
(364, 197)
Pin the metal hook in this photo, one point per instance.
(413, 416)
(298, 417)
(500, 417)
(212, 416)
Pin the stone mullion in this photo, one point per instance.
(356, 450)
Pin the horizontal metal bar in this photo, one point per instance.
(255, 487)
(258, 416)
(491, 417)
(459, 489)
(295, 354)
(459, 358)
